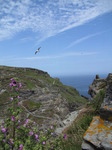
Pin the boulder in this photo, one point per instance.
(2, 91)
(98, 134)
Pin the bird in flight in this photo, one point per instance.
(37, 50)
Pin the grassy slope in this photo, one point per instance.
(31, 78)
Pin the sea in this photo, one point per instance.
(81, 82)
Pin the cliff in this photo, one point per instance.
(99, 133)
(97, 85)
(43, 98)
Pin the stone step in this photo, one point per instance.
(99, 134)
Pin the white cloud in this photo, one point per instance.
(49, 57)
(84, 38)
(26, 39)
(47, 18)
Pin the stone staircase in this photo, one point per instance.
(99, 134)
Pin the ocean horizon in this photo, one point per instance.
(80, 82)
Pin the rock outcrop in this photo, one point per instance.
(99, 133)
(106, 107)
(97, 85)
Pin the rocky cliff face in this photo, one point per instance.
(97, 85)
(99, 133)
(106, 107)
(44, 99)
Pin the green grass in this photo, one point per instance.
(30, 85)
(4, 97)
(98, 100)
(31, 105)
(71, 95)
(76, 131)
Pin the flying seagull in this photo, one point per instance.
(37, 50)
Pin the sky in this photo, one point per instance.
(75, 36)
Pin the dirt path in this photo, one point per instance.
(68, 121)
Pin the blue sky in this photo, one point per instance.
(75, 35)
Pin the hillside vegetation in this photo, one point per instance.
(40, 94)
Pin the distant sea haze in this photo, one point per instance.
(81, 82)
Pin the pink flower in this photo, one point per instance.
(31, 133)
(20, 84)
(52, 133)
(18, 103)
(51, 147)
(13, 118)
(21, 147)
(11, 141)
(65, 136)
(17, 89)
(17, 127)
(43, 142)
(18, 97)
(34, 123)
(4, 140)
(3, 129)
(10, 85)
(14, 83)
(19, 121)
(51, 127)
(12, 79)
(11, 98)
(26, 122)
(36, 136)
